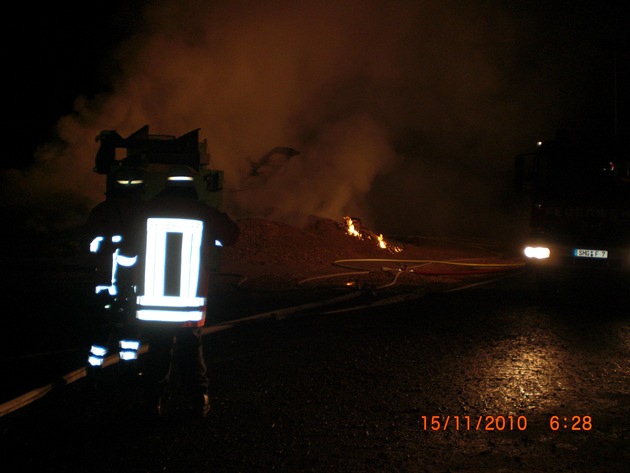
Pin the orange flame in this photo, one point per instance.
(353, 229)
(350, 228)
(381, 242)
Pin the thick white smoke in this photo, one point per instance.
(405, 113)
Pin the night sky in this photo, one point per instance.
(62, 52)
(407, 114)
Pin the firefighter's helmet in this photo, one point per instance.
(128, 178)
(180, 176)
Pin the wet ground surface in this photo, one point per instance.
(468, 380)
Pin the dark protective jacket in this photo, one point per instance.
(109, 224)
(110, 227)
(175, 236)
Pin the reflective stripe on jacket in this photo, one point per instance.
(176, 235)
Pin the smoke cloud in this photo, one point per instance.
(406, 114)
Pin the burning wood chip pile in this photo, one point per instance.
(284, 253)
(272, 245)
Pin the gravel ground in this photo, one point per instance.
(348, 392)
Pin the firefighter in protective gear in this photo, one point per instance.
(109, 227)
(177, 232)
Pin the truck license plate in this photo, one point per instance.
(583, 253)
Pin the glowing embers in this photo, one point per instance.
(353, 228)
(171, 277)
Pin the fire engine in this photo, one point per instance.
(156, 154)
(579, 197)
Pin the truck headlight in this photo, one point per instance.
(538, 252)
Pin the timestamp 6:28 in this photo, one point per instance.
(571, 423)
